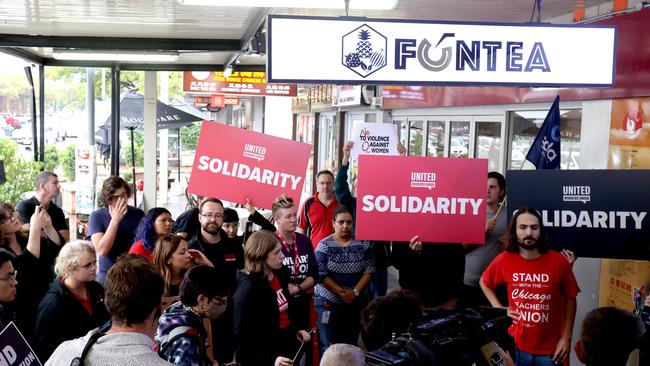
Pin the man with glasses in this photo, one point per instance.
(181, 336)
(316, 212)
(47, 189)
(227, 256)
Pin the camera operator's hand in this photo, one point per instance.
(282, 361)
(562, 350)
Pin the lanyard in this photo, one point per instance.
(287, 247)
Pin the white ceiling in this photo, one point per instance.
(168, 19)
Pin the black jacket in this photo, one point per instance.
(62, 317)
(257, 318)
(435, 273)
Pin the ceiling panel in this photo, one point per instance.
(168, 19)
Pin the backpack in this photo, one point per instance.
(180, 331)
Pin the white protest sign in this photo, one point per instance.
(374, 139)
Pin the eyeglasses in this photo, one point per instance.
(219, 300)
(11, 276)
(211, 216)
(90, 265)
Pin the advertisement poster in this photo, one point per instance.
(85, 173)
(586, 211)
(374, 139)
(629, 148)
(629, 134)
(15, 349)
(234, 164)
(238, 83)
(440, 199)
(620, 281)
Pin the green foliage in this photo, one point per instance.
(66, 158)
(51, 158)
(20, 173)
(190, 136)
(14, 85)
(128, 177)
(138, 141)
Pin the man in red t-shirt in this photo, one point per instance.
(316, 212)
(542, 291)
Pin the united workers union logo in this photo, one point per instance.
(364, 50)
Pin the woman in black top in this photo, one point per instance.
(266, 330)
(74, 303)
(33, 259)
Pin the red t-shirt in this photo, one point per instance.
(316, 219)
(538, 289)
(283, 303)
(139, 249)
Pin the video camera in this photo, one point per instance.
(460, 338)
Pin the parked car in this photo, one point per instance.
(12, 121)
(457, 149)
(23, 135)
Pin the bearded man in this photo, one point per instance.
(542, 292)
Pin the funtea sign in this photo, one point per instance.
(413, 52)
(595, 213)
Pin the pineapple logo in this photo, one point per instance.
(364, 50)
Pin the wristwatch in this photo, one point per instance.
(356, 292)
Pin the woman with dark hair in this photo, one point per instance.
(74, 303)
(33, 259)
(345, 269)
(173, 259)
(155, 224)
(266, 329)
(112, 227)
(7, 288)
(181, 336)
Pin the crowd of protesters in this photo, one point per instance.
(295, 291)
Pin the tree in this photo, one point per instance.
(66, 157)
(190, 136)
(138, 142)
(19, 172)
(51, 158)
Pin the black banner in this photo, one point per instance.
(595, 213)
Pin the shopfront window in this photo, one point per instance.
(459, 139)
(524, 126)
(416, 138)
(488, 143)
(328, 144)
(305, 133)
(436, 138)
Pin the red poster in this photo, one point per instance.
(439, 199)
(234, 164)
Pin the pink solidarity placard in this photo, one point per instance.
(234, 164)
(439, 199)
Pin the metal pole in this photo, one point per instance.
(135, 194)
(30, 80)
(90, 103)
(179, 156)
(115, 120)
(41, 107)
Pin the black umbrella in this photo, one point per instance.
(132, 118)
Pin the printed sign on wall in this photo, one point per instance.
(439, 199)
(234, 164)
(417, 52)
(595, 213)
(374, 139)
